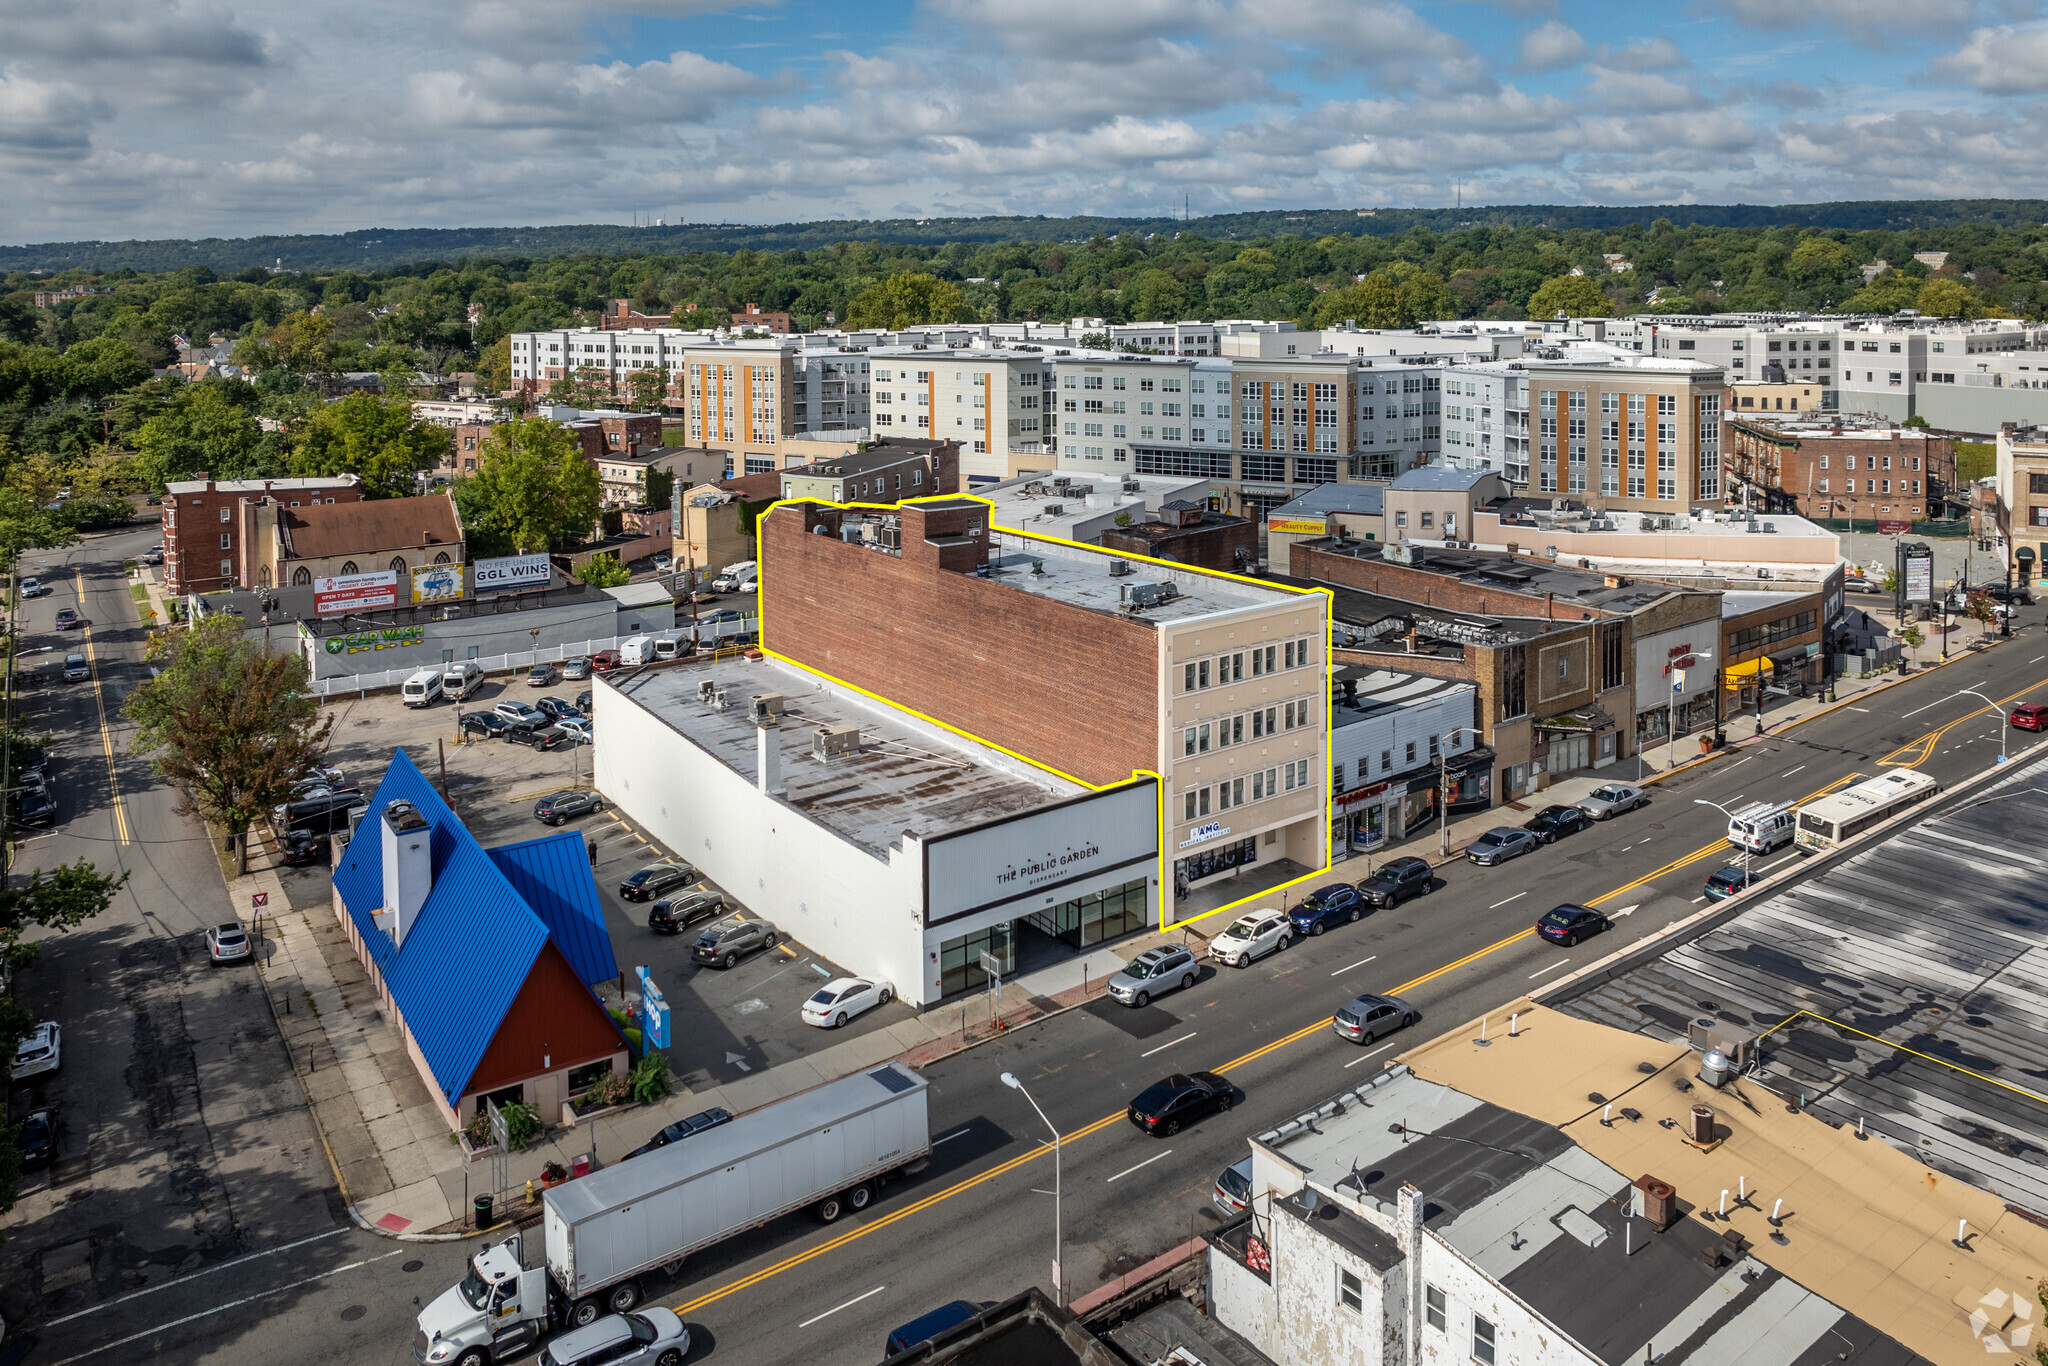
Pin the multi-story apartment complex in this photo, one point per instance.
(990, 400)
(203, 529)
(1840, 466)
(2023, 493)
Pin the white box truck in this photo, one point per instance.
(826, 1149)
(733, 576)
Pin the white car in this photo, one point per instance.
(76, 669)
(579, 728)
(842, 998)
(1252, 936)
(41, 1051)
(519, 711)
(228, 943)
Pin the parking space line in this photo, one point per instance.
(957, 1133)
(1140, 1167)
(1170, 1043)
(1498, 904)
(1552, 968)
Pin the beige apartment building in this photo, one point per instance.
(1644, 436)
(995, 403)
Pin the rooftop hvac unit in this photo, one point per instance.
(1131, 486)
(721, 700)
(1119, 568)
(1146, 594)
(1055, 510)
(764, 706)
(1755, 526)
(706, 689)
(1716, 1036)
(1550, 553)
(835, 742)
(850, 531)
(1770, 526)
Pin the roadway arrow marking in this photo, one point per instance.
(735, 1060)
(1625, 910)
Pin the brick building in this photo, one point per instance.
(285, 545)
(620, 316)
(202, 530)
(1189, 533)
(1044, 649)
(1857, 468)
(763, 322)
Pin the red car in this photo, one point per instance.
(2031, 716)
(604, 661)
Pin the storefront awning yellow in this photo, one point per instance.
(1735, 675)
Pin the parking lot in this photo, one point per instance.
(725, 1023)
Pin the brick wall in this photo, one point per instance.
(1307, 561)
(1069, 687)
(1214, 546)
(192, 530)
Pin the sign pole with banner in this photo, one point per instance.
(993, 967)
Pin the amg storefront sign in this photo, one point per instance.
(512, 573)
(1024, 858)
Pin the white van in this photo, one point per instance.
(635, 651)
(461, 679)
(733, 575)
(1761, 827)
(668, 647)
(423, 689)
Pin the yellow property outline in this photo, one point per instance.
(1163, 882)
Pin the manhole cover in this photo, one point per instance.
(353, 1312)
(1654, 825)
(414, 1265)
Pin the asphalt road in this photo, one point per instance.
(980, 1222)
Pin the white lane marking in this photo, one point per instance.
(2037, 659)
(837, 1307)
(1146, 1163)
(1930, 706)
(1374, 1054)
(1740, 762)
(1552, 968)
(1347, 967)
(231, 1304)
(1790, 771)
(1867, 709)
(1170, 1043)
(950, 1137)
(1697, 900)
(1498, 904)
(1768, 866)
(204, 1271)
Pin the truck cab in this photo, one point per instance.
(500, 1310)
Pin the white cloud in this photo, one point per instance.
(45, 117)
(1551, 45)
(2002, 60)
(1869, 23)
(1645, 54)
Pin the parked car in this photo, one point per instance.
(1251, 936)
(487, 724)
(36, 1144)
(682, 1129)
(1727, 883)
(303, 848)
(42, 1051)
(577, 668)
(843, 998)
(733, 938)
(548, 737)
(579, 729)
(678, 913)
(583, 700)
(34, 808)
(1233, 1189)
(1369, 1017)
(1856, 584)
(67, 618)
(1553, 823)
(1394, 881)
(1500, 844)
(521, 732)
(34, 588)
(1164, 1106)
(227, 942)
(646, 1337)
(557, 807)
(153, 555)
(1156, 971)
(518, 711)
(1568, 924)
(662, 560)
(644, 884)
(925, 1327)
(557, 708)
(301, 814)
(542, 676)
(1338, 903)
(2030, 716)
(1612, 799)
(604, 661)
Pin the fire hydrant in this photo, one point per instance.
(532, 1196)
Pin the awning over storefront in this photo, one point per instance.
(1735, 675)
(1587, 720)
(1793, 660)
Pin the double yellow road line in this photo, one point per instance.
(100, 705)
(1917, 752)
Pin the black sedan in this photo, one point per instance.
(303, 848)
(486, 725)
(583, 701)
(644, 884)
(1336, 904)
(1500, 844)
(1568, 924)
(1164, 1106)
(37, 1141)
(556, 709)
(557, 807)
(682, 1129)
(34, 808)
(1728, 882)
(1553, 823)
(1394, 881)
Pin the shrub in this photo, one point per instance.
(609, 1089)
(522, 1125)
(650, 1081)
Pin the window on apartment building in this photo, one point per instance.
(224, 541)
(1409, 757)
(1195, 676)
(1611, 655)
(1482, 1341)
(1386, 761)
(1350, 1291)
(227, 569)
(224, 514)
(1434, 1304)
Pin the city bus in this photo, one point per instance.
(1826, 822)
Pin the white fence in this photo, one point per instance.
(709, 634)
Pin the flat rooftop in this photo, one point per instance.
(908, 776)
(1038, 503)
(1535, 513)
(1080, 576)
(1362, 620)
(1379, 691)
(1505, 573)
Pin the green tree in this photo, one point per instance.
(231, 729)
(603, 571)
(375, 436)
(201, 429)
(661, 488)
(908, 300)
(1821, 258)
(649, 388)
(589, 387)
(1975, 460)
(1151, 294)
(1887, 292)
(1949, 299)
(494, 366)
(1574, 295)
(533, 488)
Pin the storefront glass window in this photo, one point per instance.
(960, 959)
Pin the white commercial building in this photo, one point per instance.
(991, 400)
(1394, 738)
(884, 843)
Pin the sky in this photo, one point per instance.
(193, 118)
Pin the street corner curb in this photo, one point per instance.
(968, 1045)
(355, 1215)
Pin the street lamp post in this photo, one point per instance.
(533, 634)
(1443, 802)
(1058, 1246)
(1702, 801)
(2004, 723)
(1671, 744)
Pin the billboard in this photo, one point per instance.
(1919, 573)
(1028, 858)
(436, 583)
(333, 597)
(513, 573)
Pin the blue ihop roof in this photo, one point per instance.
(1439, 479)
(477, 936)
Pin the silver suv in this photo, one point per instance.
(732, 939)
(1154, 973)
(652, 1337)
